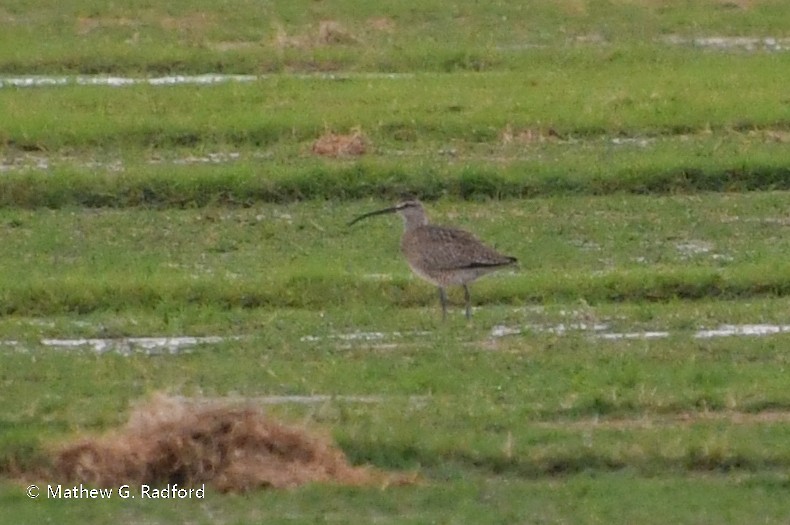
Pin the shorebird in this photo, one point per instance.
(442, 256)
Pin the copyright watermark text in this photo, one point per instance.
(170, 491)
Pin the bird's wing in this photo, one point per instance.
(453, 249)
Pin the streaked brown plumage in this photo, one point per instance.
(443, 256)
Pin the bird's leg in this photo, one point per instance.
(443, 300)
(468, 299)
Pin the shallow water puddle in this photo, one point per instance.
(726, 43)
(89, 80)
(173, 80)
(183, 344)
(733, 417)
(35, 161)
(361, 336)
(324, 398)
(634, 335)
(131, 345)
(596, 330)
(601, 331)
(728, 330)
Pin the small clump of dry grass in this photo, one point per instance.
(524, 136)
(231, 448)
(332, 144)
(328, 33)
(333, 32)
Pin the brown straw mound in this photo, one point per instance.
(337, 145)
(232, 448)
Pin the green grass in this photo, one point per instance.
(628, 499)
(245, 36)
(621, 248)
(591, 95)
(595, 128)
(583, 417)
(676, 418)
(600, 167)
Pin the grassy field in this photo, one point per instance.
(246, 36)
(639, 173)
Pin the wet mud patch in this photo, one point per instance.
(230, 447)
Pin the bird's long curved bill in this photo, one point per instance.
(372, 213)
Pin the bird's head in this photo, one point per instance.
(411, 211)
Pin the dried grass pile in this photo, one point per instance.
(231, 448)
(328, 33)
(333, 32)
(338, 145)
(527, 136)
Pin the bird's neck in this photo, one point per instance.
(412, 222)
